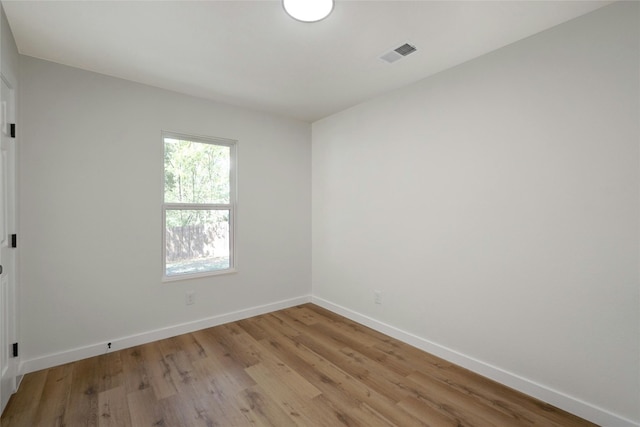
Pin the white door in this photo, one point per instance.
(8, 363)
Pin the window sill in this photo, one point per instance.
(181, 277)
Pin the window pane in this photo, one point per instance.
(196, 172)
(197, 241)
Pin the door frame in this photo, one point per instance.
(9, 114)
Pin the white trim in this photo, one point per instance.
(178, 277)
(568, 403)
(561, 400)
(56, 359)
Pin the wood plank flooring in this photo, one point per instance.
(303, 366)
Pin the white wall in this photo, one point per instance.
(9, 52)
(90, 237)
(496, 207)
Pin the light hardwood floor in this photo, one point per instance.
(303, 366)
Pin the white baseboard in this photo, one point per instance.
(80, 353)
(565, 402)
(570, 404)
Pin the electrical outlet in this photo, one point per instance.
(377, 297)
(190, 298)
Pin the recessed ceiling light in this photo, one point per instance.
(308, 10)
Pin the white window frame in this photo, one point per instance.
(231, 206)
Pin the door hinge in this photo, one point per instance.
(13, 130)
(14, 240)
(15, 349)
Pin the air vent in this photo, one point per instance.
(405, 49)
(398, 53)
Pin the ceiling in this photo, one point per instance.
(251, 54)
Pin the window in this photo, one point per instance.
(199, 206)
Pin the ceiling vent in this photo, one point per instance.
(398, 53)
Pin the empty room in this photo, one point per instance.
(320, 213)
